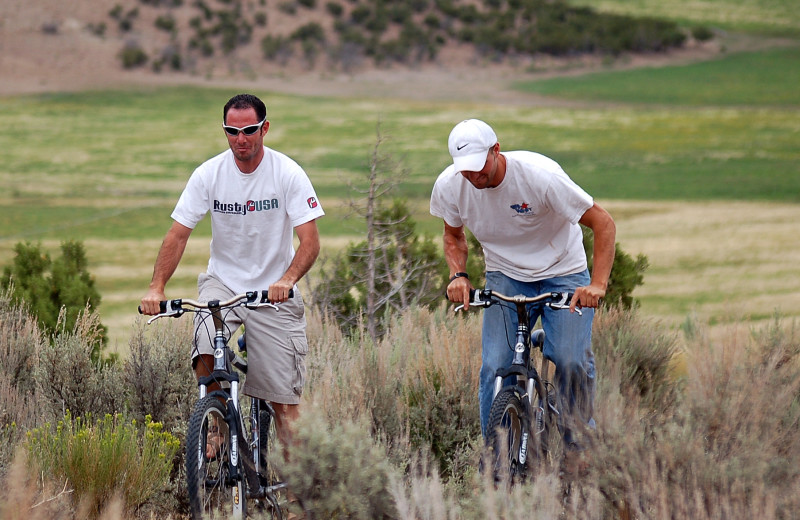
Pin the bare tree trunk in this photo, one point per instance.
(371, 310)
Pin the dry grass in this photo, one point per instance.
(391, 429)
(719, 262)
(713, 437)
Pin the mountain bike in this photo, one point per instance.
(524, 427)
(238, 475)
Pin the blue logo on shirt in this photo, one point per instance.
(522, 209)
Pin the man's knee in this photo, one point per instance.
(203, 365)
(571, 374)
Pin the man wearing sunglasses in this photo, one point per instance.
(258, 198)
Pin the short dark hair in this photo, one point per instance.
(244, 101)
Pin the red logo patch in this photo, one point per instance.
(312, 202)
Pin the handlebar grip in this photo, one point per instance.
(265, 295)
(162, 307)
(565, 297)
(471, 294)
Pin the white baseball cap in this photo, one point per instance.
(469, 143)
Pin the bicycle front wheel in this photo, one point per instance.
(507, 436)
(213, 491)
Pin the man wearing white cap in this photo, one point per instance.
(525, 210)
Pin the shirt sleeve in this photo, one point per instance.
(303, 205)
(193, 203)
(443, 203)
(566, 198)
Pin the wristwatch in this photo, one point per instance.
(459, 274)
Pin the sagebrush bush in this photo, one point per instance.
(158, 373)
(643, 354)
(68, 378)
(744, 401)
(337, 470)
(726, 448)
(441, 383)
(21, 340)
(417, 386)
(104, 458)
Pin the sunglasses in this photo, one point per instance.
(246, 130)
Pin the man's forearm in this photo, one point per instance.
(304, 258)
(306, 254)
(605, 233)
(169, 256)
(456, 251)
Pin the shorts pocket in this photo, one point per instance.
(299, 343)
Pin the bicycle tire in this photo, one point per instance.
(545, 426)
(545, 432)
(268, 474)
(211, 492)
(507, 438)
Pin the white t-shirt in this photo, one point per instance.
(252, 216)
(528, 225)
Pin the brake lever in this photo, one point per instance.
(177, 313)
(259, 305)
(560, 306)
(478, 303)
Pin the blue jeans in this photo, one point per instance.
(568, 344)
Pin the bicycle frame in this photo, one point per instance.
(528, 378)
(244, 462)
(222, 372)
(522, 364)
(519, 388)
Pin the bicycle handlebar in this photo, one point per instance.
(486, 297)
(174, 308)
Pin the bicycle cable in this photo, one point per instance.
(203, 315)
(508, 314)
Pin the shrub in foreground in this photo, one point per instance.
(104, 458)
(69, 377)
(158, 373)
(416, 387)
(715, 437)
(21, 340)
(337, 470)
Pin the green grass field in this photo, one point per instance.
(107, 167)
(763, 16)
(755, 79)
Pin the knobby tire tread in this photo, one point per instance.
(209, 495)
(507, 421)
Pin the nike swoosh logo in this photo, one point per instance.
(462, 146)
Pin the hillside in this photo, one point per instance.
(53, 45)
(47, 46)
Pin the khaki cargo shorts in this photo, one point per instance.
(276, 342)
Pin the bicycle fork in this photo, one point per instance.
(529, 379)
